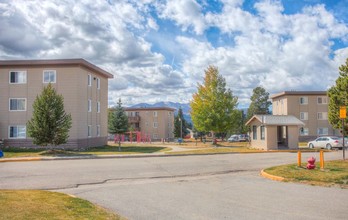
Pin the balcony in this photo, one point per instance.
(133, 119)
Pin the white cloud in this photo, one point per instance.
(130, 39)
(186, 13)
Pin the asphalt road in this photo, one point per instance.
(187, 187)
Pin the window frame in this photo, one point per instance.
(155, 125)
(322, 98)
(25, 104)
(254, 132)
(323, 114)
(89, 80)
(89, 108)
(98, 83)
(98, 107)
(98, 130)
(49, 71)
(262, 132)
(17, 126)
(305, 114)
(155, 114)
(305, 132)
(305, 98)
(18, 71)
(89, 131)
(323, 128)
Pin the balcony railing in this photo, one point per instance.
(133, 119)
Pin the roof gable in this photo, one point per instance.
(276, 120)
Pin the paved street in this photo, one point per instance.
(186, 187)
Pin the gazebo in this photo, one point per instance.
(273, 132)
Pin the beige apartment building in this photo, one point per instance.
(156, 123)
(311, 107)
(83, 85)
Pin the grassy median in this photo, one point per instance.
(334, 173)
(105, 150)
(35, 204)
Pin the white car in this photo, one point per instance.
(326, 142)
(233, 138)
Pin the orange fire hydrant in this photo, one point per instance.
(311, 163)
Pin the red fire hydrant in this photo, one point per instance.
(311, 163)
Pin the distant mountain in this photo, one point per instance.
(184, 106)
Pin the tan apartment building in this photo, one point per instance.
(311, 107)
(83, 85)
(156, 123)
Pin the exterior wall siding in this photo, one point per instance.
(164, 121)
(293, 107)
(71, 83)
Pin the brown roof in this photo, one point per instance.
(150, 109)
(298, 93)
(56, 62)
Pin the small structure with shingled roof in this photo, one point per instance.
(273, 132)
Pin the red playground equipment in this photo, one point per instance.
(140, 137)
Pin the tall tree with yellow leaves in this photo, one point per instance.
(213, 107)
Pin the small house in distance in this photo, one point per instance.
(273, 132)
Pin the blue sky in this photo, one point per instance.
(158, 50)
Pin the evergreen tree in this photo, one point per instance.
(213, 107)
(50, 124)
(118, 122)
(178, 123)
(338, 97)
(259, 102)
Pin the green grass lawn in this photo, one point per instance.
(334, 173)
(105, 150)
(35, 204)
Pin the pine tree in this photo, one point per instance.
(118, 122)
(178, 124)
(50, 124)
(259, 102)
(338, 97)
(213, 107)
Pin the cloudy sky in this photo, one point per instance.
(158, 50)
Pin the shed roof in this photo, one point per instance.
(276, 120)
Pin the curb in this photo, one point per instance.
(272, 177)
(20, 160)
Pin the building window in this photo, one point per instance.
(89, 105)
(89, 132)
(304, 100)
(322, 100)
(254, 132)
(155, 124)
(323, 131)
(154, 114)
(18, 131)
(98, 83)
(98, 107)
(262, 132)
(155, 136)
(304, 132)
(169, 113)
(18, 77)
(322, 115)
(304, 115)
(89, 80)
(98, 130)
(18, 104)
(49, 76)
